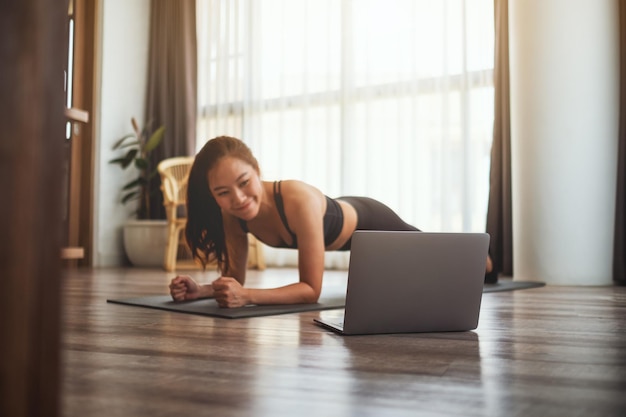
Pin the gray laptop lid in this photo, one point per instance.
(414, 282)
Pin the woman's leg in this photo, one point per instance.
(374, 215)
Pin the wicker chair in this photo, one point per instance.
(174, 174)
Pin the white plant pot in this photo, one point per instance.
(145, 242)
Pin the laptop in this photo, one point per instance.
(409, 282)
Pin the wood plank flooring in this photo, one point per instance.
(551, 351)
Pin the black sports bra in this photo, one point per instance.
(333, 220)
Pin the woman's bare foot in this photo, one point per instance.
(491, 275)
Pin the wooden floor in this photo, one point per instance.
(551, 351)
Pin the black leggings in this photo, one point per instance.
(374, 215)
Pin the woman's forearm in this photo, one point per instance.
(298, 293)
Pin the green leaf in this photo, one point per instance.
(121, 140)
(135, 143)
(141, 164)
(130, 196)
(117, 160)
(130, 156)
(154, 140)
(132, 184)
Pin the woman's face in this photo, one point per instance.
(236, 187)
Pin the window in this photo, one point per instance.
(392, 99)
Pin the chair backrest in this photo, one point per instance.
(174, 177)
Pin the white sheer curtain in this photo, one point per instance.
(391, 99)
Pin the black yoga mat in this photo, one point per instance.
(208, 307)
(508, 285)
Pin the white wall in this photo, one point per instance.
(564, 128)
(121, 86)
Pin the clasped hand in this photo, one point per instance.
(227, 291)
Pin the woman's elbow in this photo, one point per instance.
(311, 297)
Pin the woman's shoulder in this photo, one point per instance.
(296, 187)
(301, 194)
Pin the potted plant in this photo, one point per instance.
(144, 239)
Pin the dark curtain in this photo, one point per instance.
(499, 211)
(172, 85)
(619, 248)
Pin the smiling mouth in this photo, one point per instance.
(244, 207)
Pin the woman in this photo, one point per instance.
(227, 199)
